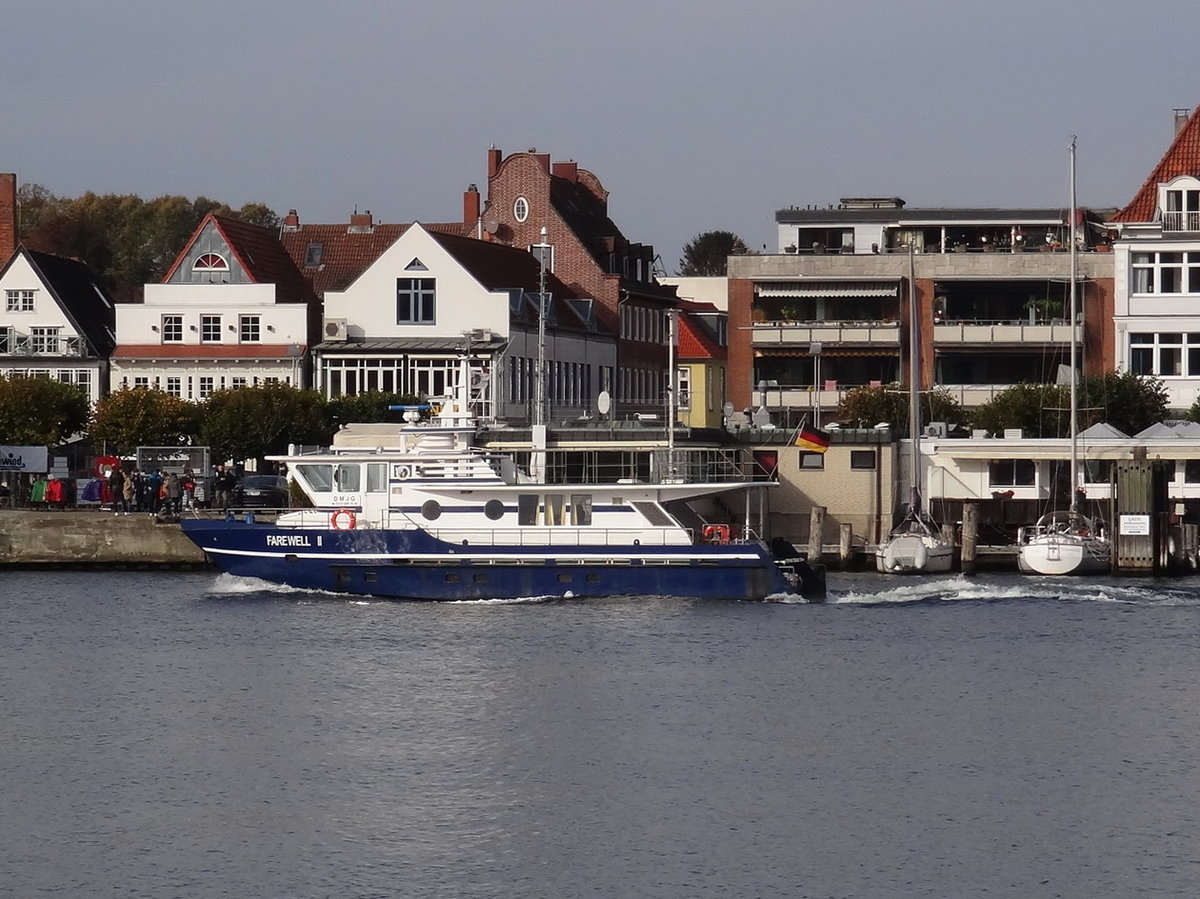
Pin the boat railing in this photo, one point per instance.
(563, 536)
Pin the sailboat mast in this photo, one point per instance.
(914, 374)
(1074, 424)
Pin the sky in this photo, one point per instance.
(696, 116)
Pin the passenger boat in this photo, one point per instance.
(426, 514)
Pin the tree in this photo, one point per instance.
(128, 240)
(708, 253)
(254, 422)
(889, 403)
(138, 416)
(40, 412)
(371, 406)
(1128, 402)
(1039, 410)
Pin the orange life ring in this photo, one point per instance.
(716, 533)
(343, 520)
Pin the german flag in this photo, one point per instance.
(812, 439)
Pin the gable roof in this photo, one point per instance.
(78, 291)
(1182, 158)
(695, 342)
(260, 252)
(346, 252)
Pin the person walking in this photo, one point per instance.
(116, 488)
(174, 494)
(127, 491)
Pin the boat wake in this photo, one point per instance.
(872, 590)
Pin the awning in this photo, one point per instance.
(827, 289)
(826, 350)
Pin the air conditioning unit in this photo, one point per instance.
(334, 329)
(935, 429)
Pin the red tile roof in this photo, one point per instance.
(345, 252)
(260, 253)
(1181, 158)
(203, 351)
(695, 342)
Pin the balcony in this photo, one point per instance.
(837, 333)
(16, 344)
(1181, 221)
(1007, 332)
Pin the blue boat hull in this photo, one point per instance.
(415, 565)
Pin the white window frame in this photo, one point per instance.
(172, 328)
(249, 328)
(19, 301)
(419, 297)
(210, 328)
(521, 209)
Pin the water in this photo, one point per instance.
(179, 735)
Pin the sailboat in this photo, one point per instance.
(915, 545)
(1066, 541)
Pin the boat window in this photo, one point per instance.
(654, 514)
(319, 478)
(348, 478)
(581, 509)
(431, 509)
(494, 509)
(376, 477)
(527, 507)
(555, 503)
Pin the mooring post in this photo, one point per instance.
(970, 536)
(845, 537)
(816, 534)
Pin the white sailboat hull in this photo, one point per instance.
(914, 554)
(1063, 554)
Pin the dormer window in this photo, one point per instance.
(210, 262)
(1181, 205)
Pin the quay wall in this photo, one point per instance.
(93, 538)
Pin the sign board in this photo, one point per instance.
(1134, 525)
(32, 459)
(175, 459)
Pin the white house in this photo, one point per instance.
(56, 321)
(402, 323)
(1156, 302)
(232, 311)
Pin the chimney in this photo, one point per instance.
(471, 205)
(361, 223)
(568, 171)
(8, 216)
(1181, 117)
(291, 221)
(543, 160)
(493, 161)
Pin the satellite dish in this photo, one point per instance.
(491, 226)
(603, 402)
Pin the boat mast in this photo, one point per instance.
(1074, 425)
(914, 396)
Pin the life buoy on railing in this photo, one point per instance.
(343, 520)
(403, 472)
(715, 533)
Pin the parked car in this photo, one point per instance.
(264, 491)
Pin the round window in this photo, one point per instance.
(494, 509)
(521, 209)
(432, 509)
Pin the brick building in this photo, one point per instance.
(589, 254)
